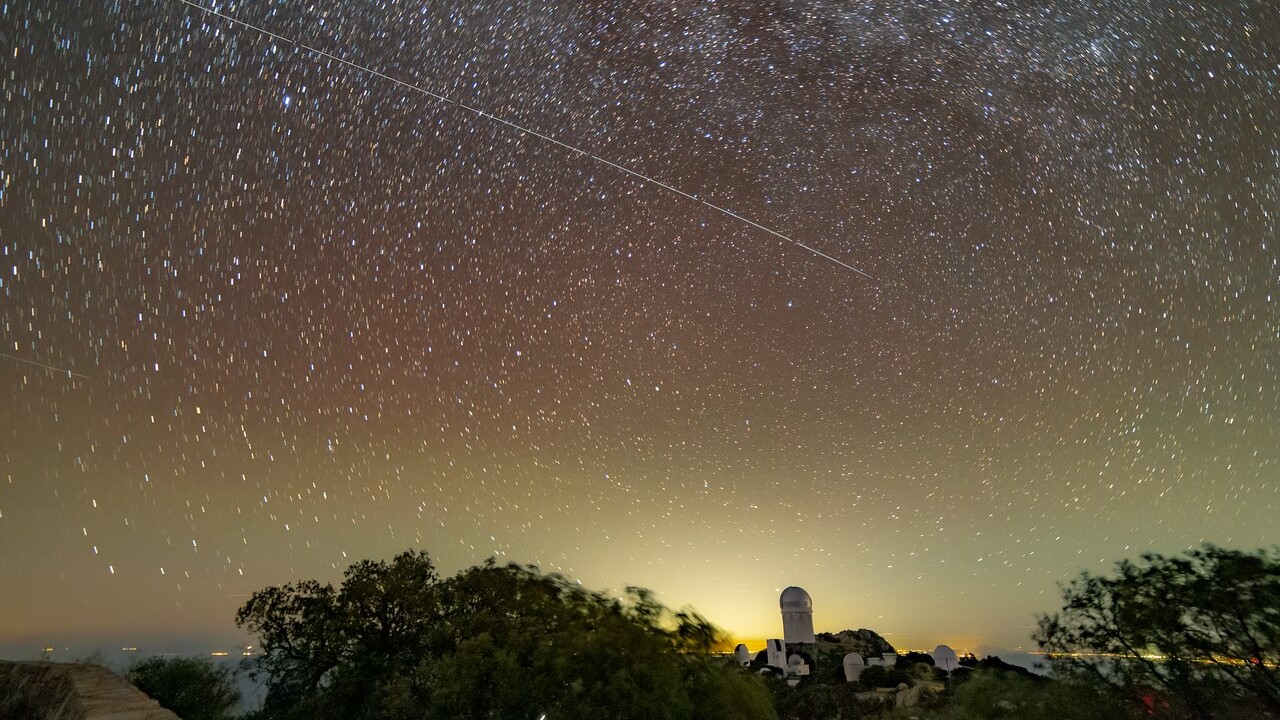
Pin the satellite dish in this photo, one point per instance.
(945, 658)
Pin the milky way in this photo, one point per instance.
(286, 314)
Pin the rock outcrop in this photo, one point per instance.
(72, 691)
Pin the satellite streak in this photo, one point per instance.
(528, 131)
(51, 368)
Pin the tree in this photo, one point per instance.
(916, 658)
(551, 647)
(1199, 632)
(350, 641)
(193, 688)
(490, 642)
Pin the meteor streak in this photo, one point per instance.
(51, 368)
(528, 131)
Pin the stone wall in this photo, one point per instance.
(71, 691)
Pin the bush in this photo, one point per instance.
(880, 676)
(194, 688)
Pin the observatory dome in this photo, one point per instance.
(795, 599)
(853, 667)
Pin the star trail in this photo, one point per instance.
(264, 313)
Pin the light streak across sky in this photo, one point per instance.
(50, 368)
(529, 131)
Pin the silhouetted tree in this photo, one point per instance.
(1199, 632)
(916, 658)
(491, 642)
(350, 641)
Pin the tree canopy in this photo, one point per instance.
(1196, 635)
(395, 640)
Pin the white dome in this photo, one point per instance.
(853, 667)
(795, 599)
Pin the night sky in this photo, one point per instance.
(263, 314)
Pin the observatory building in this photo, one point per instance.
(797, 616)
